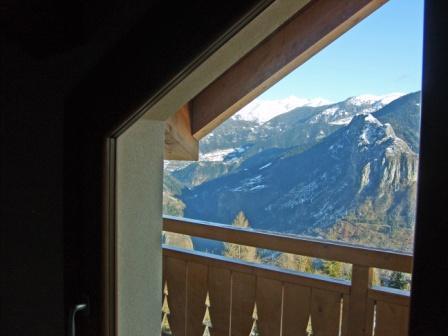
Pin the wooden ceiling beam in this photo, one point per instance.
(311, 29)
(179, 142)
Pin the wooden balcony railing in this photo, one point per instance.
(206, 294)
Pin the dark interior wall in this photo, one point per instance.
(46, 50)
(68, 75)
(429, 310)
(32, 196)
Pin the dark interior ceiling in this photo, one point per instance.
(48, 30)
(44, 28)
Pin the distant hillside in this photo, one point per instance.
(174, 206)
(171, 203)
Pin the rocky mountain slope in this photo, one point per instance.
(363, 169)
(345, 169)
(230, 144)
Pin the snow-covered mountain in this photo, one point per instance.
(342, 113)
(234, 141)
(374, 99)
(260, 110)
(264, 123)
(346, 169)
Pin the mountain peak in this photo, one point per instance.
(369, 99)
(372, 131)
(341, 113)
(367, 133)
(261, 110)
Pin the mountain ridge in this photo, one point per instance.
(358, 175)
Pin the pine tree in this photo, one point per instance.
(333, 269)
(398, 280)
(295, 262)
(247, 253)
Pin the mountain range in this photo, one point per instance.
(344, 170)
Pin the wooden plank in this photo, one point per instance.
(310, 30)
(345, 314)
(325, 312)
(391, 319)
(219, 294)
(179, 143)
(175, 275)
(265, 271)
(317, 248)
(243, 301)
(390, 295)
(196, 295)
(370, 321)
(269, 305)
(296, 310)
(361, 282)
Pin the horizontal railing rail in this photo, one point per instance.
(202, 290)
(263, 270)
(390, 295)
(316, 248)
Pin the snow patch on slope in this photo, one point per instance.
(216, 156)
(265, 166)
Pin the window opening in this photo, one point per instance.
(329, 152)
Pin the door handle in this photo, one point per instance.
(72, 317)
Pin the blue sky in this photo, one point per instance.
(382, 54)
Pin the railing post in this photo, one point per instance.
(358, 309)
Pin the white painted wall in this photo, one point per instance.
(139, 227)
